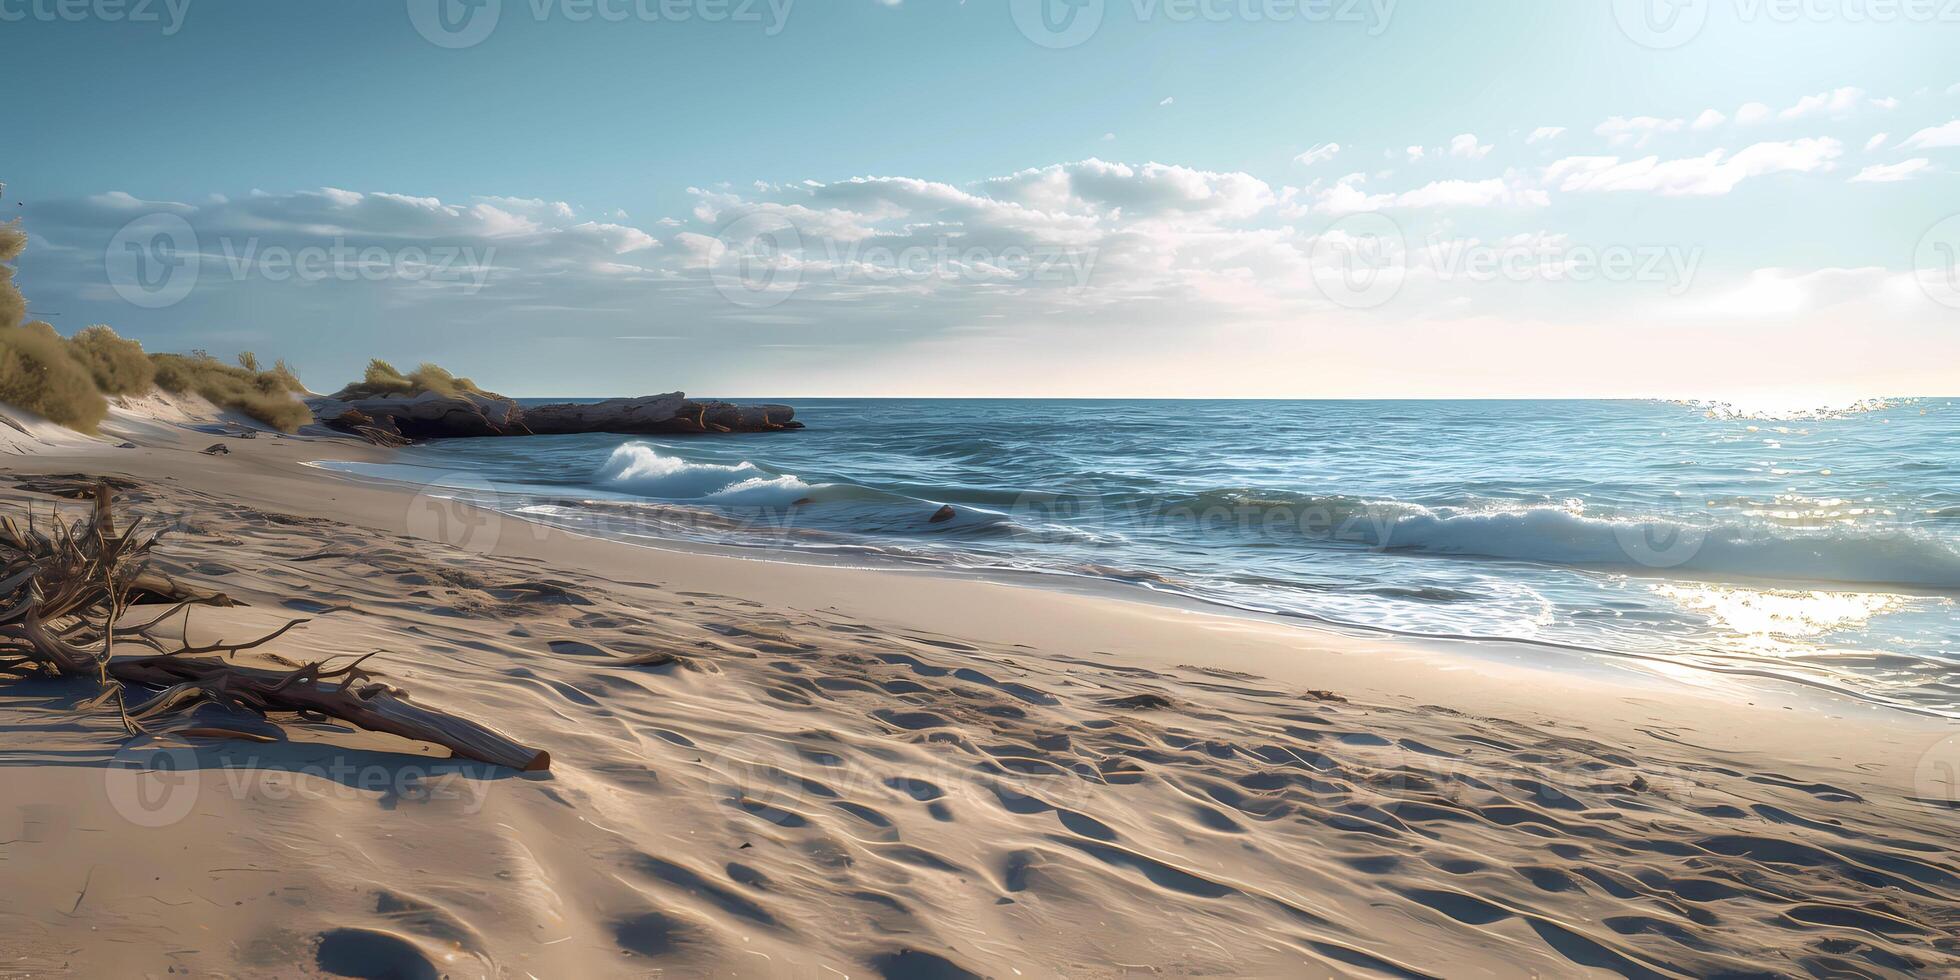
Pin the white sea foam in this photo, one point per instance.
(641, 470)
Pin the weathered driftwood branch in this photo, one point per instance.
(349, 694)
(64, 589)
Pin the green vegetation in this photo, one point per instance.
(266, 396)
(39, 374)
(119, 366)
(383, 380)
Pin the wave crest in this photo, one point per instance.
(641, 470)
(1563, 537)
(1568, 535)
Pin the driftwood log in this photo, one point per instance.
(65, 589)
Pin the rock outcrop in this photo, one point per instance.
(659, 414)
(437, 415)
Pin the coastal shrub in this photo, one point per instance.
(382, 379)
(13, 306)
(118, 365)
(429, 377)
(266, 396)
(64, 380)
(38, 374)
(286, 376)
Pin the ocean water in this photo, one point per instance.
(1819, 546)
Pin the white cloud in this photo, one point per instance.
(1836, 103)
(1888, 103)
(1543, 133)
(1709, 119)
(1887, 173)
(620, 238)
(1318, 153)
(1169, 100)
(1473, 194)
(1876, 141)
(1712, 174)
(1466, 147)
(125, 201)
(527, 205)
(1415, 153)
(1152, 190)
(1752, 113)
(1347, 196)
(1637, 131)
(1934, 137)
(410, 246)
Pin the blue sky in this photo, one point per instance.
(869, 197)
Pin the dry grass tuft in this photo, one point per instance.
(37, 373)
(382, 380)
(118, 365)
(266, 396)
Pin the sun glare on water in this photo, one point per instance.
(1776, 407)
(1771, 620)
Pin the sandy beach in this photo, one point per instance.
(1003, 490)
(763, 768)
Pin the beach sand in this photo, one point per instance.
(771, 769)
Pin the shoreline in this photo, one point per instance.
(1550, 654)
(866, 770)
(848, 586)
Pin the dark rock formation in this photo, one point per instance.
(429, 415)
(657, 415)
(434, 415)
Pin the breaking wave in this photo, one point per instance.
(639, 469)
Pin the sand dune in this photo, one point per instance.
(767, 770)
